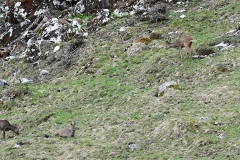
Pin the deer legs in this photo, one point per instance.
(180, 52)
(4, 134)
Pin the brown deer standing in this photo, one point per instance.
(65, 132)
(6, 126)
(185, 41)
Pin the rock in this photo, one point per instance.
(162, 88)
(46, 136)
(16, 146)
(132, 146)
(5, 99)
(224, 46)
(9, 58)
(43, 74)
(56, 49)
(25, 81)
(203, 119)
(221, 135)
(3, 83)
(136, 48)
(183, 16)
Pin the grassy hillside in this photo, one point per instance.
(112, 99)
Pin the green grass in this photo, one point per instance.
(115, 104)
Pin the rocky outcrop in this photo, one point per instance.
(40, 17)
(34, 31)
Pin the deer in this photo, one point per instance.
(65, 132)
(6, 126)
(184, 41)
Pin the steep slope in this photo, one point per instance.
(108, 87)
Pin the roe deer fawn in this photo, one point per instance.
(185, 41)
(65, 132)
(6, 126)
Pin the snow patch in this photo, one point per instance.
(85, 34)
(182, 16)
(40, 12)
(25, 22)
(18, 4)
(180, 11)
(122, 29)
(57, 48)
(119, 14)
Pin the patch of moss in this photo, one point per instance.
(144, 40)
(147, 40)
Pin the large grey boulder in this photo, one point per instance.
(163, 87)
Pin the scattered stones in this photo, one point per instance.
(218, 123)
(203, 119)
(20, 143)
(9, 58)
(224, 46)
